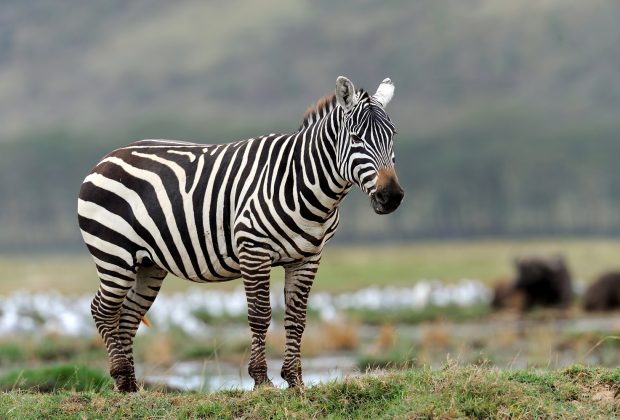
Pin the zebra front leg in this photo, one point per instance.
(255, 268)
(297, 285)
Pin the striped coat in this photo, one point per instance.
(211, 213)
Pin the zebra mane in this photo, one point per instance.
(322, 107)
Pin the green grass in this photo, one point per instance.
(350, 268)
(49, 349)
(347, 268)
(55, 377)
(215, 351)
(450, 392)
(11, 353)
(453, 313)
(396, 358)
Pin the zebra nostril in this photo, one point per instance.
(400, 194)
(381, 197)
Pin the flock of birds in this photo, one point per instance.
(55, 313)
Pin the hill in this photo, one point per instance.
(507, 111)
(86, 65)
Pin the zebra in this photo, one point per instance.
(217, 212)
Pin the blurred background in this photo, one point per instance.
(508, 144)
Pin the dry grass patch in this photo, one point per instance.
(318, 339)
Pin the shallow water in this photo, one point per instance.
(534, 343)
(212, 376)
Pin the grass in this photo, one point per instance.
(49, 349)
(452, 313)
(395, 358)
(450, 392)
(227, 351)
(56, 377)
(347, 268)
(353, 268)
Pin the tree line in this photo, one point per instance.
(497, 178)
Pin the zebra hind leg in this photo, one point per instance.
(106, 310)
(134, 308)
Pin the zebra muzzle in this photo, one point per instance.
(389, 194)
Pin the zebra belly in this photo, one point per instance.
(231, 273)
(218, 268)
(209, 278)
(287, 244)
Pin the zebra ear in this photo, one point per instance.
(384, 93)
(345, 93)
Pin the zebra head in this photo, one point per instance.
(365, 148)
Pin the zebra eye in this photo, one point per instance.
(356, 139)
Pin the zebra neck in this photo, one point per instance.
(323, 188)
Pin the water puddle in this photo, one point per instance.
(210, 376)
(507, 343)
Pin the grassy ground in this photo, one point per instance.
(350, 267)
(450, 392)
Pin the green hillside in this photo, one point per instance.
(507, 111)
(87, 65)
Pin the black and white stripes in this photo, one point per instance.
(211, 213)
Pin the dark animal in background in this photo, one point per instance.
(540, 281)
(506, 296)
(544, 281)
(604, 293)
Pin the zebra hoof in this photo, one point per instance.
(295, 383)
(293, 376)
(124, 378)
(126, 387)
(263, 384)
